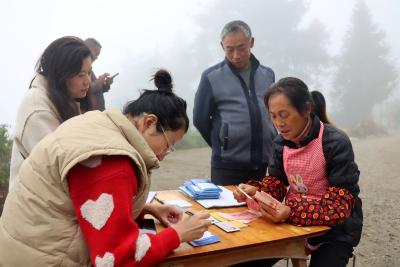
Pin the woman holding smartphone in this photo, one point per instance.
(100, 84)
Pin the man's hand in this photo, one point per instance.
(102, 79)
(108, 81)
(98, 85)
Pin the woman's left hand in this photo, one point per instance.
(166, 214)
(272, 209)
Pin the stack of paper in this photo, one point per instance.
(201, 189)
(150, 197)
(225, 199)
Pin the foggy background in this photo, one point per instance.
(347, 49)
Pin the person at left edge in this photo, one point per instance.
(77, 195)
(62, 79)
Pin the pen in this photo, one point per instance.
(158, 200)
(162, 202)
(189, 213)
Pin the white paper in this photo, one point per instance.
(178, 202)
(206, 234)
(225, 199)
(150, 197)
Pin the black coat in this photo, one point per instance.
(341, 170)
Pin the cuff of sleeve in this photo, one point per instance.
(106, 88)
(255, 184)
(170, 240)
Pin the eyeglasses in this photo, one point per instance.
(171, 147)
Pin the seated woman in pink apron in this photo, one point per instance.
(313, 179)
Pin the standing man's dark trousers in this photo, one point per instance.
(221, 176)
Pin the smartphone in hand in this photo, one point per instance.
(146, 225)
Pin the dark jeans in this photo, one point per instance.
(235, 177)
(335, 254)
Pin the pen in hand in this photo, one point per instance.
(163, 203)
(158, 200)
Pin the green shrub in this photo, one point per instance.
(5, 155)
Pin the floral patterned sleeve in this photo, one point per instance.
(271, 185)
(332, 209)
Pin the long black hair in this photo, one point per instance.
(168, 107)
(61, 60)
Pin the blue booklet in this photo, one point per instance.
(196, 196)
(201, 189)
(206, 239)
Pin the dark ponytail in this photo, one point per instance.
(169, 108)
(319, 106)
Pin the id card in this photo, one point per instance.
(227, 227)
(206, 239)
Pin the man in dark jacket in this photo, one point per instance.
(100, 85)
(229, 111)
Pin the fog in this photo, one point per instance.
(347, 49)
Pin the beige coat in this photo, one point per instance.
(36, 118)
(38, 226)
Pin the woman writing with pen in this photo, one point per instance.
(314, 172)
(78, 194)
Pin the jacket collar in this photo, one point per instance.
(312, 134)
(253, 60)
(133, 136)
(39, 82)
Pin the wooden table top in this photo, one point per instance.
(259, 232)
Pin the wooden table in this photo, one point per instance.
(261, 239)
